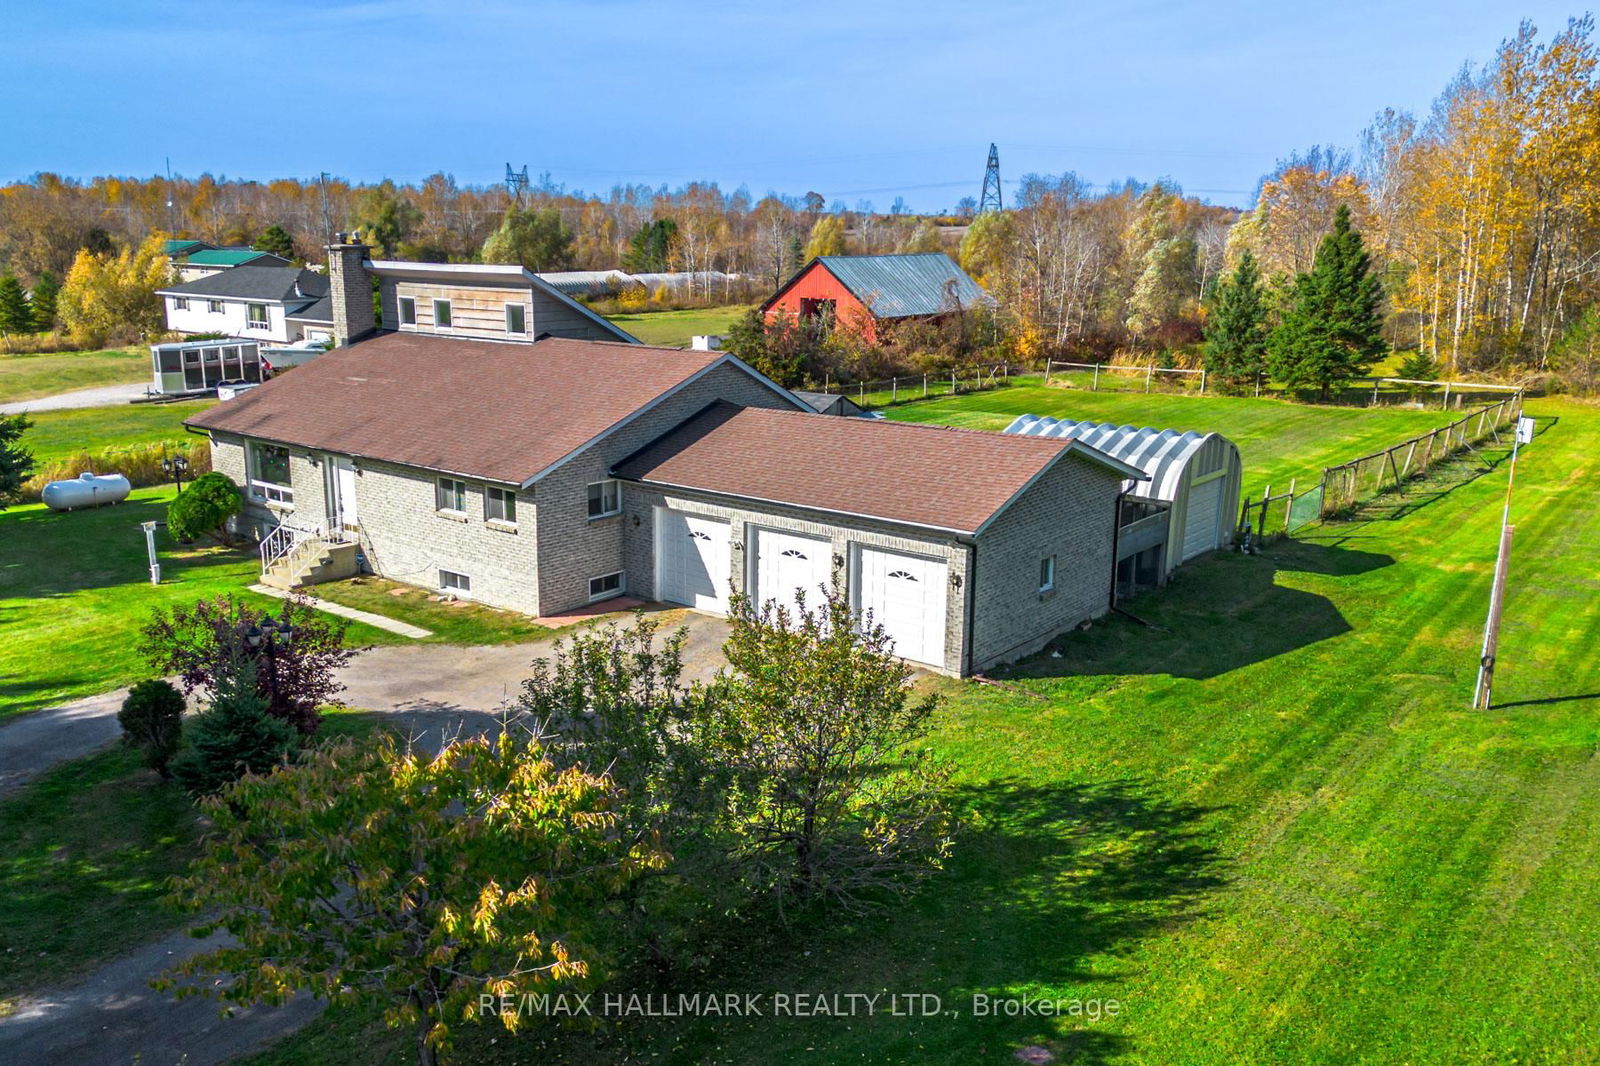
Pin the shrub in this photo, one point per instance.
(299, 651)
(152, 721)
(233, 736)
(205, 508)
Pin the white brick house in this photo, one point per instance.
(545, 476)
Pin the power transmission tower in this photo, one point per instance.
(990, 201)
(516, 182)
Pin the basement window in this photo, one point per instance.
(605, 498)
(516, 318)
(500, 505)
(408, 310)
(450, 495)
(460, 584)
(605, 586)
(1047, 573)
(441, 314)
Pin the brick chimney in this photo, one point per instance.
(350, 287)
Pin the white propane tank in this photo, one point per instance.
(85, 490)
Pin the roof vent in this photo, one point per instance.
(339, 238)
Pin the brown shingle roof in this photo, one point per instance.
(934, 476)
(503, 412)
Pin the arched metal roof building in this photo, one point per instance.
(1196, 474)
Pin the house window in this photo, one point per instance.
(256, 316)
(500, 505)
(516, 318)
(441, 314)
(408, 311)
(214, 306)
(605, 586)
(450, 495)
(269, 473)
(605, 498)
(1047, 573)
(450, 581)
(180, 303)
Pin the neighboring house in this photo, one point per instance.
(272, 304)
(864, 292)
(176, 248)
(203, 262)
(545, 476)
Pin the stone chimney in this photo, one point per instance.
(350, 288)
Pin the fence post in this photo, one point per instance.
(1047, 364)
(1288, 506)
(894, 390)
(1447, 396)
(861, 393)
(1149, 376)
(1095, 386)
(952, 382)
(1202, 382)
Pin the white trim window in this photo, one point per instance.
(459, 584)
(270, 480)
(441, 314)
(500, 505)
(408, 310)
(607, 586)
(516, 318)
(214, 307)
(256, 316)
(1047, 573)
(180, 303)
(605, 499)
(450, 496)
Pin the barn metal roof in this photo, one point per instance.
(898, 286)
(1161, 453)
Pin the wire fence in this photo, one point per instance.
(1342, 488)
(909, 387)
(1117, 377)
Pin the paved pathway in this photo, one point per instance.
(405, 629)
(113, 1017)
(99, 396)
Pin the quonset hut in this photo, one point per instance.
(1185, 509)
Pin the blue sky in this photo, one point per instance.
(858, 100)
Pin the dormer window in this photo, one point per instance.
(441, 314)
(516, 318)
(408, 311)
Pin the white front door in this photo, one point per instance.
(692, 560)
(908, 596)
(345, 515)
(786, 562)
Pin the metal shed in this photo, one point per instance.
(1196, 476)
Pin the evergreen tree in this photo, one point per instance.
(234, 735)
(1236, 330)
(16, 462)
(1331, 329)
(16, 316)
(275, 239)
(44, 303)
(650, 250)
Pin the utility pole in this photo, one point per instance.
(172, 228)
(990, 200)
(1483, 695)
(327, 220)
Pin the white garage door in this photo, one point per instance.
(1200, 525)
(786, 562)
(693, 560)
(907, 596)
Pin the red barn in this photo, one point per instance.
(860, 291)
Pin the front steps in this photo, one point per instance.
(311, 562)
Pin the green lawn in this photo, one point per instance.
(1277, 440)
(27, 377)
(1269, 829)
(460, 622)
(74, 592)
(673, 329)
(58, 434)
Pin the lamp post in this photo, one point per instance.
(174, 467)
(263, 640)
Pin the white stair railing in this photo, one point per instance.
(283, 540)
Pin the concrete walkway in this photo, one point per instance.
(432, 691)
(390, 625)
(99, 396)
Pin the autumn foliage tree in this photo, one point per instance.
(425, 885)
(113, 295)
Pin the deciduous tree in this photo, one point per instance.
(537, 239)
